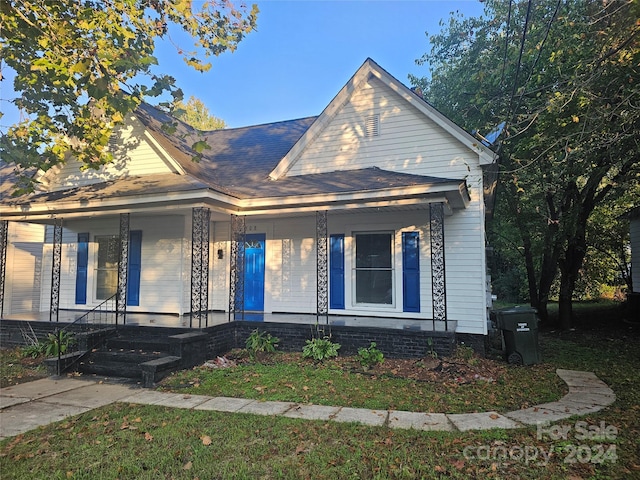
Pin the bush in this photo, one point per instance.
(261, 342)
(52, 345)
(320, 349)
(369, 357)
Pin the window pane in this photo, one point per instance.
(107, 271)
(373, 250)
(374, 286)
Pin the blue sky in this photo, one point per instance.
(302, 53)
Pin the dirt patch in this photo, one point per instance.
(467, 368)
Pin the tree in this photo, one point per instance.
(81, 66)
(563, 76)
(196, 114)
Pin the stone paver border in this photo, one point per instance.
(27, 406)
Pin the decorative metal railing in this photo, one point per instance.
(103, 314)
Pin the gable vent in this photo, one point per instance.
(372, 126)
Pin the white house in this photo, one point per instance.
(372, 212)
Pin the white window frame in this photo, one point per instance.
(359, 305)
(96, 269)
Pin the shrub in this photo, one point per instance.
(368, 357)
(52, 345)
(261, 342)
(320, 349)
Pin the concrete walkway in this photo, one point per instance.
(30, 405)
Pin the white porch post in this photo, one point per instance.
(438, 275)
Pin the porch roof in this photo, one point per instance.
(347, 189)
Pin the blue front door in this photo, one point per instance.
(254, 272)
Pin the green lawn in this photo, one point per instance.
(150, 442)
(15, 368)
(334, 383)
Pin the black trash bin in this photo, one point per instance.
(519, 327)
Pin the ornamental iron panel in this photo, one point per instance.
(4, 235)
(123, 269)
(322, 267)
(236, 283)
(200, 266)
(438, 276)
(54, 305)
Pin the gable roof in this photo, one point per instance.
(371, 69)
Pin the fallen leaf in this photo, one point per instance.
(206, 440)
(494, 416)
(187, 466)
(138, 420)
(305, 388)
(148, 437)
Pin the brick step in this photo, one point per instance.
(117, 363)
(149, 344)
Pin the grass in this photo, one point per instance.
(15, 369)
(331, 384)
(150, 442)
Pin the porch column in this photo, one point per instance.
(4, 235)
(322, 267)
(236, 259)
(54, 304)
(438, 276)
(200, 266)
(123, 270)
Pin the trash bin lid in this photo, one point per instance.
(519, 309)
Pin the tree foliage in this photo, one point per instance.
(563, 77)
(196, 114)
(81, 66)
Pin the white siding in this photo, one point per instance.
(635, 253)
(161, 278)
(408, 141)
(219, 274)
(133, 153)
(290, 271)
(23, 268)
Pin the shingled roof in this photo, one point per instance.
(240, 160)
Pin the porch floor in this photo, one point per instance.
(218, 318)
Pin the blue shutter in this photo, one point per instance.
(135, 266)
(336, 274)
(82, 263)
(410, 272)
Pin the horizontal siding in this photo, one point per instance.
(408, 142)
(134, 156)
(23, 275)
(219, 276)
(635, 254)
(290, 274)
(290, 277)
(161, 274)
